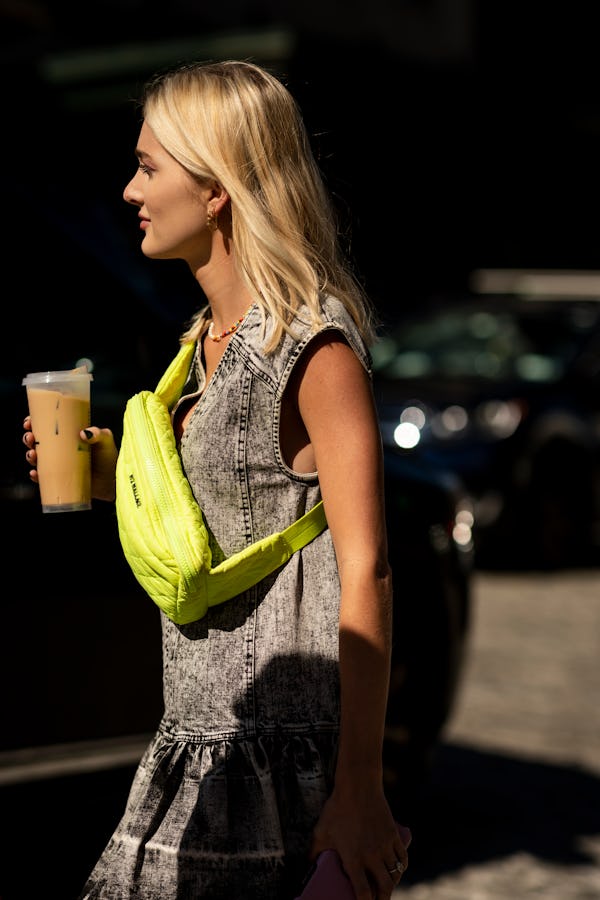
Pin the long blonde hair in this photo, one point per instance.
(235, 123)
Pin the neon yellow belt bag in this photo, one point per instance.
(161, 527)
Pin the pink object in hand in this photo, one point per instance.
(327, 879)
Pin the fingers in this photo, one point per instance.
(31, 460)
(90, 435)
(397, 867)
(105, 454)
(104, 461)
(380, 877)
(405, 834)
(396, 870)
(30, 453)
(95, 435)
(388, 876)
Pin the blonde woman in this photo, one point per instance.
(270, 747)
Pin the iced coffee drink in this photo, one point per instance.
(59, 406)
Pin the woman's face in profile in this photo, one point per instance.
(172, 204)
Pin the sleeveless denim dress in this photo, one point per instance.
(227, 793)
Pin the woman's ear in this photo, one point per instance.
(218, 212)
(219, 198)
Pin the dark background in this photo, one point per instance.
(454, 134)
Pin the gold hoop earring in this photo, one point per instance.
(212, 220)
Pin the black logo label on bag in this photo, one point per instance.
(134, 489)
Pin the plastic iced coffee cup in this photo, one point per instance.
(59, 406)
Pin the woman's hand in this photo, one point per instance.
(104, 458)
(357, 822)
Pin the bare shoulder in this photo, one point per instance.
(329, 364)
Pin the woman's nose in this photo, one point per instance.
(131, 194)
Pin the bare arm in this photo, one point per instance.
(336, 405)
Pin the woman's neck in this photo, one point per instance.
(227, 295)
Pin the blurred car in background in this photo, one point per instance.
(501, 387)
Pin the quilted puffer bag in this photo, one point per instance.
(161, 527)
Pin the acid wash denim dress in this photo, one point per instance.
(226, 795)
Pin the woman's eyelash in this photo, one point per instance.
(144, 168)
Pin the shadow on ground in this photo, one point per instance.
(476, 807)
(480, 806)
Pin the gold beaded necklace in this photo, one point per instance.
(228, 331)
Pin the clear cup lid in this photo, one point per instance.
(57, 376)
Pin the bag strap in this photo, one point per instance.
(304, 529)
(171, 384)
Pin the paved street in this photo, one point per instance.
(513, 808)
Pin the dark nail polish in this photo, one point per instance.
(88, 433)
